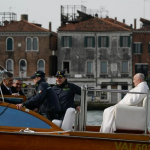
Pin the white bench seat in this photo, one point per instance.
(68, 121)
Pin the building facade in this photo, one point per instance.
(97, 52)
(27, 47)
(141, 50)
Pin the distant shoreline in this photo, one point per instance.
(95, 105)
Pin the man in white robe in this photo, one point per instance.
(108, 124)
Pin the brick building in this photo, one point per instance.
(141, 49)
(27, 47)
(97, 52)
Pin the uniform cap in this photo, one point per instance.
(38, 74)
(60, 74)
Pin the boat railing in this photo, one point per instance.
(81, 117)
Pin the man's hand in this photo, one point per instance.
(19, 106)
(35, 109)
(16, 94)
(78, 108)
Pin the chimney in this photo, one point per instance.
(115, 18)
(107, 16)
(96, 15)
(134, 23)
(50, 26)
(24, 17)
(130, 26)
(6, 23)
(123, 20)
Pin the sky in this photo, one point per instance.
(45, 11)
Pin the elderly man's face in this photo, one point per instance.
(8, 82)
(60, 80)
(136, 80)
(17, 85)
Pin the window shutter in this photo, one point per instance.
(133, 48)
(62, 41)
(93, 41)
(99, 41)
(128, 41)
(148, 47)
(107, 41)
(9, 44)
(121, 41)
(85, 41)
(141, 48)
(70, 41)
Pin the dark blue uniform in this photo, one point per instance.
(45, 99)
(66, 93)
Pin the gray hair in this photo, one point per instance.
(141, 76)
(7, 75)
(17, 79)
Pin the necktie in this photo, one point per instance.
(10, 91)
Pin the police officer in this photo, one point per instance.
(45, 99)
(65, 92)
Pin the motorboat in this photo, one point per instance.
(27, 130)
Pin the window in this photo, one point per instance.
(149, 47)
(90, 67)
(89, 42)
(66, 66)
(125, 67)
(32, 44)
(142, 68)
(103, 41)
(103, 94)
(9, 43)
(123, 94)
(9, 65)
(29, 43)
(137, 48)
(23, 68)
(41, 65)
(35, 44)
(124, 41)
(90, 93)
(66, 41)
(103, 67)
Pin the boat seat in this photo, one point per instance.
(131, 117)
(68, 121)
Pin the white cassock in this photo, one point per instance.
(108, 124)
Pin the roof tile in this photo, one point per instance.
(22, 26)
(96, 24)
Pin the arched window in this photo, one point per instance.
(41, 65)
(9, 65)
(23, 68)
(35, 43)
(28, 44)
(9, 43)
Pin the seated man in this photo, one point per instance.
(65, 92)
(16, 88)
(7, 83)
(108, 124)
(44, 99)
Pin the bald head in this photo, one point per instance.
(138, 78)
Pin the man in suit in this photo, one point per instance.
(16, 88)
(7, 83)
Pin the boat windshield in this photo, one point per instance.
(17, 118)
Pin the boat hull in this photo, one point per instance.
(31, 141)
